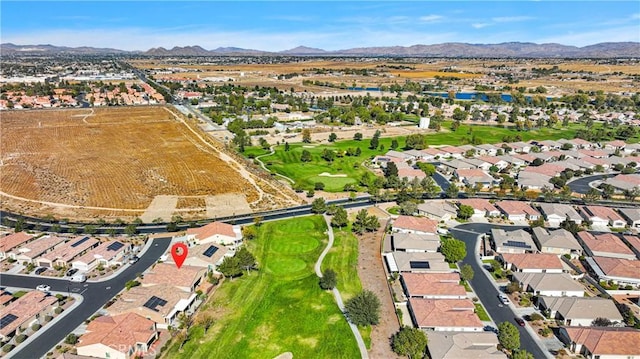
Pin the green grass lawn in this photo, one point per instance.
(481, 312)
(307, 174)
(343, 258)
(279, 308)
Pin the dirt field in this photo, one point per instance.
(116, 160)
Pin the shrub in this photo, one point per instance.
(535, 316)
(7, 348)
(58, 310)
(71, 339)
(36, 327)
(47, 318)
(545, 332)
(21, 338)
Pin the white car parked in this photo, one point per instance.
(43, 288)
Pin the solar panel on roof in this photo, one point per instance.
(517, 244)
(7, 319)
(115, 246)
(210, 251)
(80, 242)
(419, 265)
(154, 302)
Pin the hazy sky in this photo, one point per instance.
(330, 25)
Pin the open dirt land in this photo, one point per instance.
(116, 161)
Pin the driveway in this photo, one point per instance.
(486, 288)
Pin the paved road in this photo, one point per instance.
(95, 294)
(581, 185)
(485, 288)
(356, 333)
(441, 181)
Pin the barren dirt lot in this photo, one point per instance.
(115, 158)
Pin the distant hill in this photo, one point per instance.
(451, 49)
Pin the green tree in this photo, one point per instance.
(592, 195)
(394, 144)
(452, 191)
(305, 156)
(318, 205)
(207, 321)
(408, 208)
(375, 140)
(332, 137)
(249, 233)
(508, 336)
(90, 230)
(230, 267)
(363, 309)
(522, 354)
(329, 279)
(428, 168)
(246, 260)
(453, 250)
(340, 218)
(416, 141)
(306, 135)
(131, 229)
(466, 272)
(287, 147)
(409, 341)
(391, 170)
(357, 136)
(465, 211)
(71, 339)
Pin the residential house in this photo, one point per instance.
(532, 262)
(633, 242)
(487, 150)
(558, 241)
(526, 158)
(621, 271)
(632, 215)
(594, 153)
(122, 336)
(443, 345)
(605, 245)
(433, 285)
(624, 182)
(215, 232)
(450, 167)
(614, 145)
(404, 156)
(418, 155)
(106, 254)
(418, 262)
(207, 256)
(411, 173)
(29, 309)
(452, 152)
(479, 164)
(471, 177)
(601, 216)
(520, 147)
(63, 254)
(579, 311)
(161, 303)
(30, 251)
(517, 241)
(481, 207)
(495, 161)
(187, 279)
(518, 211)
(556, 213)
(601, 342)
(511, 160)
(413, 242)
(579, 143)
(438, 210)
(549, 284)
(592, 162)
(532, 180)
(450, 315)
(12, 241)
(419, 225)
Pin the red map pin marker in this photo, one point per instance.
(179, 253)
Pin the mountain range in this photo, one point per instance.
(450, 49)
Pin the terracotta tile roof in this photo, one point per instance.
(616, 267)
(433, 284)
(607, 341)
(212, 229)
(102, 251)
(67, 251)
(26, 307)
(516, 207)
(602, 212)
(594, 153)
(525, 157)
(118, 332)
(134, 299)
(473, 173)
(169, 274)
(38, 246)
(411, 173)
(605, 242)
(444, 313)
(450, 149)
(480, 204)
(533, 260)
(634, 241)
(13, 240)
(420, 224)
(5, 298)
(490, 159)
(616, 143)
(547, 169)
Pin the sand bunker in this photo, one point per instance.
(327, 174)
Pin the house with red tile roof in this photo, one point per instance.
(604, 245)
(30, 251)
(633, 242)
(214, 232)
(433, 285)
(579, 310)
(549, 284)
(601, 216)
(518, 210)
(187, 279)
(411, 173)
(107, 253)
(119, 337)
(621, 271)
(532, 262)
(419, 225)
(601, 342)
(63, 254)
(23, 311)
(451, 315)
(10, 242)
(481, 207)
(473, 176)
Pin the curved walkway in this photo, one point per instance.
(336, 293)
(272, 151)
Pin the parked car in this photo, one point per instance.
(133, 259)
(503, 298)
(78, 278)
(71, 272)
(43, 288)
(40, 270)
(520, 321)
